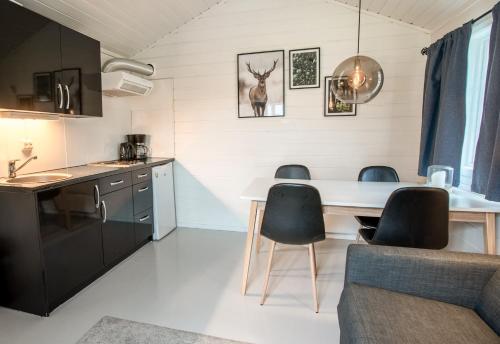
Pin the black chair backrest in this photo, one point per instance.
(293, 214)
(415, 217)
(292, 172)
(378, 174)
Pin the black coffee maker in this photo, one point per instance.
(127, 151)
(135, 148)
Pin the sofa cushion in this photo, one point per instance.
(488, 307)
(372, 315)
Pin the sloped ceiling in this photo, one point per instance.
(123, 26)
(128, 26)
(427, 14)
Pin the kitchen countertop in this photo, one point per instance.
(80, 174)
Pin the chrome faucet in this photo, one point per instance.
(12, 165)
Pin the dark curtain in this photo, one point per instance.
(443, 112)
(486, 173)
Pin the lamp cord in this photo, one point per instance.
(359, 23)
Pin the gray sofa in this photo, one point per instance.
(403, 295)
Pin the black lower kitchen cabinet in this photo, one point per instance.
(70, 228)
(118, 234)
(143, 226)
(55, 242)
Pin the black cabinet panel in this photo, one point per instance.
(46, 67)
(143, 197)
(141, 176)
(143, 226)
(70, 228)
(29, 56)
(81, 66)
(115, 182)
(118, 227)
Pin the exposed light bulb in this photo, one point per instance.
(357, 78)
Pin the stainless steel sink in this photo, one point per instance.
(37, 178)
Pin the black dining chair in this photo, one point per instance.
(283, 172)
(412, 217)
(293, 172)
(293, 216)
(375, 174)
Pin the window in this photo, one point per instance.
(474, 98)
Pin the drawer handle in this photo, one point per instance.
(116, 183)
(144, 189)
(142, 219)
(142, 175)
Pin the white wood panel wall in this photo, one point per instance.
(218, 154)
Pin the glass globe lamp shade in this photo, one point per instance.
(357, 80)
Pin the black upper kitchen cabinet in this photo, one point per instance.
(46, 67)
(81, 73)
(29, 55)
(71, 239)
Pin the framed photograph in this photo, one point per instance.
(43, 87)
(334, 106)
(261, 84)
(304, 68)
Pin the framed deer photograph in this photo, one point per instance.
(304, 68)
(334, 106)
(261, 84)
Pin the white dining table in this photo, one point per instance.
(353, 198)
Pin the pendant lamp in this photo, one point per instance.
(358, 79)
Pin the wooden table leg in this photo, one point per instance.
(258, 240)
(248, 246)
(490, 239)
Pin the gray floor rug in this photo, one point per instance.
(111, 330)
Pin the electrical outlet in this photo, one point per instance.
(27, 147)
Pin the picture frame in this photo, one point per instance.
(305, 68)
(334, 107)
(43, 87)
(261, 84)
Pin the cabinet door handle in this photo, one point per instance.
(61, 97)
(67, 94)
(116, 183)
(144, 189)
(97, 196)
(142, 219)
(142, 175)
(105, 215)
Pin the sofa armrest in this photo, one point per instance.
(451, 277)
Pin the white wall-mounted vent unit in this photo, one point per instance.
(122, 84)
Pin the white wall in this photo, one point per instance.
(65, 142)
(217, 154)
(154, 116)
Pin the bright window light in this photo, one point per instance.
(477, 66)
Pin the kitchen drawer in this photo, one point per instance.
(143, 197)
(115, 182)
(141, 176)
(143, 224)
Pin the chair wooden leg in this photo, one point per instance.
(315, 263)
(313, 276)
(268, 272)
(258, 242)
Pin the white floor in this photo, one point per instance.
(191, 280)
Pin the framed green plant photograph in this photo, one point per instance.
(304, 68)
